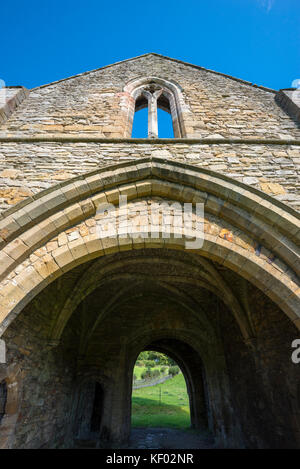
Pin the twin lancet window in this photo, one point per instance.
(152, 99)
(162, 101)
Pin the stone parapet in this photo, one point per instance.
(11, 98)
(289, 100)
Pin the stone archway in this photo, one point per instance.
(249, 252)
(247, 231)
(191, 366)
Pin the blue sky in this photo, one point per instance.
(257, 40)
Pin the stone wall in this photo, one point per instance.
(264, 384)
(42, 380)
(95, 105)
(28, 168)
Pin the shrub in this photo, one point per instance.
(150, 363)
(174, 370)
(163, 369)
(147, 374)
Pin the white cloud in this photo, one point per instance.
(267, 4)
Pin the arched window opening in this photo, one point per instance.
(152, 106)
(159, 397)
(3, 399)
(155, 94)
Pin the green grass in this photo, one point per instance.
(172, 411)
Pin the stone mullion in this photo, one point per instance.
(152, 115)
(152, 118)
(152, 112)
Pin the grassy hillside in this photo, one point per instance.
(163, 405)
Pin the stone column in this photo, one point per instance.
(152, 112)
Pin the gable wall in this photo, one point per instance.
(92, 104)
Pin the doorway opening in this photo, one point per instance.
(160, 396)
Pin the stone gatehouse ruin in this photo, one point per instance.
(76, 309)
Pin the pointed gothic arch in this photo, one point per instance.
(154, 92)
(247, 231)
